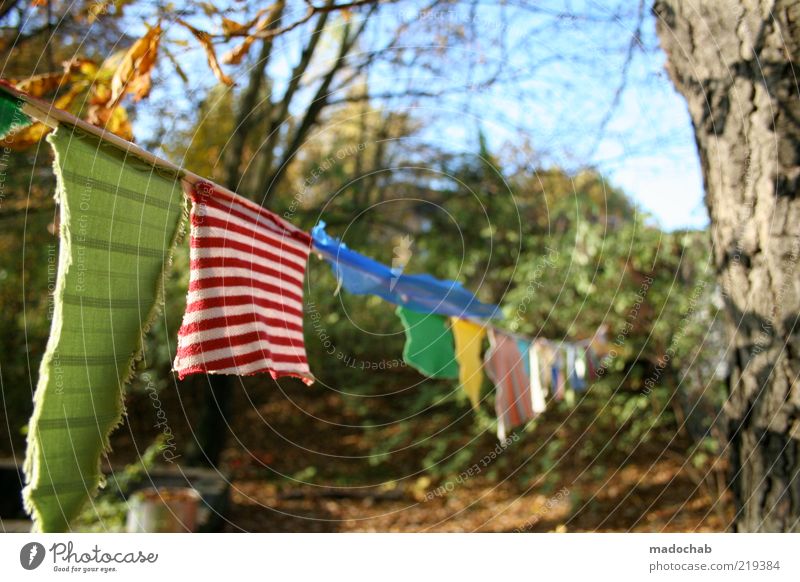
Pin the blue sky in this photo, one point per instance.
(646, 148)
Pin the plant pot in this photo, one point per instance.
(164, 510)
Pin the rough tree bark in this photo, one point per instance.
(735, 63)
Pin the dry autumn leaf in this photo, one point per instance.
(97, 9)
(237, 53)
(100, 95)
(46, 83)
(85, 67)
(26, 137)
(261, 22)
(66, 100)
(231, 27)
(134, 72)
(40, 85)
(205, 40)
(115, 120)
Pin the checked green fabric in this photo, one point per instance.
(429, 345)
(119, 221)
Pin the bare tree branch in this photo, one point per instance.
(319, 101)
(278, 117)
(309, 14)
(7, 6)
(635, 42)
(233, 158)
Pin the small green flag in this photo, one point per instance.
(11, 116)
(120, 218)
(429, 344)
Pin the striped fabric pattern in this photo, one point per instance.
(244, 310)
(505, 367)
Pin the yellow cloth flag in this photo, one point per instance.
(468, 340)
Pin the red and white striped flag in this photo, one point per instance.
(244, 311)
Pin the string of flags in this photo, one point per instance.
(122, 213)
(362, 275)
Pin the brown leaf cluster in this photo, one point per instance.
(134, 72)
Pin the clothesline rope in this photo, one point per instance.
(52, 117)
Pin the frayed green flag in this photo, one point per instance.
(429, 345)
(120, 218)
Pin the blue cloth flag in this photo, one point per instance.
(577, 369)
(362, 275)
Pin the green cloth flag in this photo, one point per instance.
(120, 218)
(430, 347)
(11, 116)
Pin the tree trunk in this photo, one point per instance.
(733, 62)
(212, 433)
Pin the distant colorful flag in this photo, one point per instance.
(362, 275)
(576, 367)
(429, 344)
(559, 380)
(530, 356)
(506, 369)
(468, 341)
(244, 311)
(538, 392)
(592, 364)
